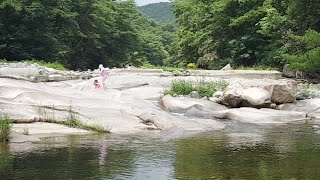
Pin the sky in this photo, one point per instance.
(145, 2)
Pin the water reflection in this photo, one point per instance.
(6, 160)
(280, 153)
(277, 154)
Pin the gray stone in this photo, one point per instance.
(227, 67)
(195, 94)
(205, 98)
(214, 99)
(218, 94)
(287, 72)
(284, 92)
(256, 97)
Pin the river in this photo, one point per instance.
(238, 152)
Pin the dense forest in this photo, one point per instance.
(248, 32)
(161, 12)
(83, 33)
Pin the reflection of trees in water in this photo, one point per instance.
(74, 161)
(5, 160)
(212, 157)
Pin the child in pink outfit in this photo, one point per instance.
(96, 84)
(104, 73)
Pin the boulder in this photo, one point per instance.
(195, 94)
(214, 99)
(232, 96)
(287, 72)
(259, 93)
(218, 94)
(227, 67)
(256, 97)
(284, 91)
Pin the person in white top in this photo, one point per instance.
(104, 73)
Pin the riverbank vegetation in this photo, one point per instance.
(47, 114)
(204, 88)
(209, 34)
(54, 65)
(5, 127)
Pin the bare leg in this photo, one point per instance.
(104, 82)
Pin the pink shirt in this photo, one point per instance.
(104, 72)
(97, 86)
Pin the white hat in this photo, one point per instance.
(100, 66)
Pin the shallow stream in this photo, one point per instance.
(239, 152)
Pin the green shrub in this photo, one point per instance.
(191, 65)
(305, 54)
(180, 87)
(256, 67)
(5, 128)
(165, 68)
(53, 65)
(73, 122)
(204, 88)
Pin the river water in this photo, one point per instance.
(239, 152)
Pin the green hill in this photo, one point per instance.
(158, 11)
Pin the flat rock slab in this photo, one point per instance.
(263, 116)
(310, 106)
(39, 128)
(182, 104)
(21, 138)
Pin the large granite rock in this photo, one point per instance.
(182, 104)
(259, 93)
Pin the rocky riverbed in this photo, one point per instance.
(132, 102)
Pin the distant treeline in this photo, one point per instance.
(213, 33)
(161, 12)
(81, 34)
(210, 34)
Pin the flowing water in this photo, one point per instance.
(240, 152)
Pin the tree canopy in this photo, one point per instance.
(209, 33)
(80, 33)
(213, 33)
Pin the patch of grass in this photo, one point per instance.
(180, 87)
(204, 88)
(165, 68)
(256, 67)
(5, 127)
(53, 65)
(3, 61)
(71, 121)
(75, 123)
